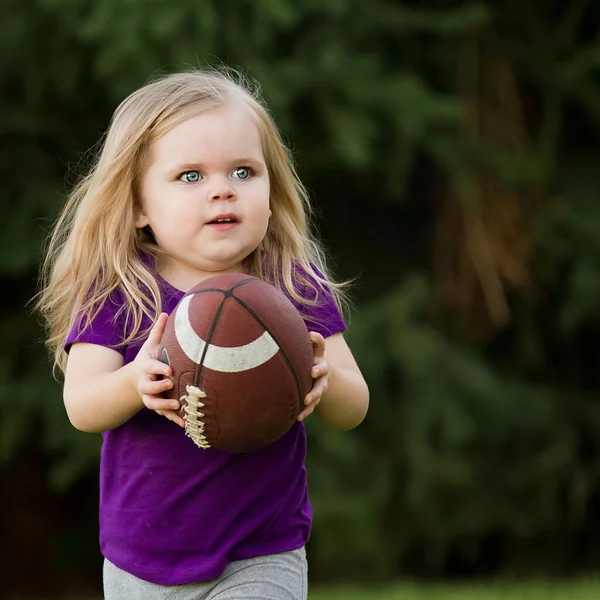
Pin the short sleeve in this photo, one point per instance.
(323, 316)
(105, 329)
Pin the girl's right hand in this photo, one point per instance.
(148, 372)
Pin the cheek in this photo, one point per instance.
(262, 217)
(172, 205)
(261, 199)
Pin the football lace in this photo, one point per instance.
(193, 415)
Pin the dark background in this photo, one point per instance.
(451, 151)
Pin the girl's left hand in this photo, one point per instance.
(321, 373)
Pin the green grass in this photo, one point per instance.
(579, 590)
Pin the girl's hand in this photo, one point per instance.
(321, 373)
(148, 369)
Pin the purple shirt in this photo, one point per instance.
(171, 513)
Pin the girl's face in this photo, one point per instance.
(205, 194)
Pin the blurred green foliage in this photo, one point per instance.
(450, 149)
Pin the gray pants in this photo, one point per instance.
(272, 577)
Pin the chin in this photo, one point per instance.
(228, 263)
(225, 266)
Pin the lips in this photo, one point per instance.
(225, 219)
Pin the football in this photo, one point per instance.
(241, 358)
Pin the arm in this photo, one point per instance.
(340, 395)
(101, 393)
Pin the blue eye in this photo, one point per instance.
(190, 176)
(242, 173)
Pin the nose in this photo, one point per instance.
(222, 191)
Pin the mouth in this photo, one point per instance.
(223, 223)
(224, 220)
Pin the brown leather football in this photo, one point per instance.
(241, 357)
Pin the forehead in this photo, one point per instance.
(227, 130)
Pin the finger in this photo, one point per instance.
(158, 329)
(320, 368)
(308, 410)
(157, 367)
(150, 387)
(172, 416)
(318, 389)
(318, 342)
(156, 403)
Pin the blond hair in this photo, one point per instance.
(94, 247)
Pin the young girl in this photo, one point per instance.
(193, 180)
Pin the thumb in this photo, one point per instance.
(158, 329)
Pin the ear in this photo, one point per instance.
(140, 220)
